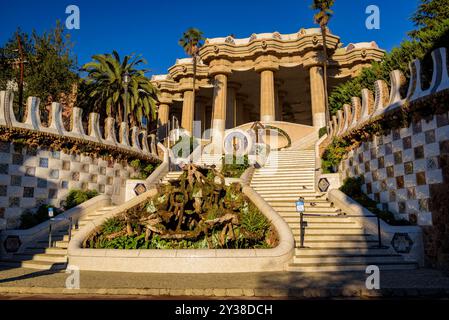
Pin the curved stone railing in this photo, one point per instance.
(28, 235)
(384, 100)
(388, 232)
(185, 260)
(132, 139)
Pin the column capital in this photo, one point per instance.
(165, 98)
(219, 67)
(264, 63)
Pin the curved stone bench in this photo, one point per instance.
(185, 260)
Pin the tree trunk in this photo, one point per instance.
(194, 87)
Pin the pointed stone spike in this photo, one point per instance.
(109, 130)
(94, 126)
(436, 74)
(382, 97)
(444, 84)
(340, 121)
(124, 134)
(77, 123)
(334, 126)
(153, 148)
(397, 80)
(6, 108)
(347, 117)
(415, 87)
(367, 104)
(144, 144)
(56, 118)
(135, 138)
(356, 110)
(33, 114)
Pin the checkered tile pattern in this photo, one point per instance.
(30, 177)
(397, 169)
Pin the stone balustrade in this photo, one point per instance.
(385, 100)
(134, 140)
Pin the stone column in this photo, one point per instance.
(317, 97)
(267, 99)
(219, 108)
(187, 111)
(163, 114)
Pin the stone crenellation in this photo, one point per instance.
(132, 139)
(385, 100)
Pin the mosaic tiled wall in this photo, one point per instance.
(400, 170)
(31, 177)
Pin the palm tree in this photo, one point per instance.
(191, 42)
(106, 89)
(322, 18)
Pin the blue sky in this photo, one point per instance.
(153, 28)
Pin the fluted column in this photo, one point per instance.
(187, 111)
(163, 114)
(231, 104)
(317, 97)
(219, 108)
(267, 98)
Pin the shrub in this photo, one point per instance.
(30, 219)
(77, 196)
(332, 155)
(144, 169)
(231, 168)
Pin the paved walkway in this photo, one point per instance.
(416, 283)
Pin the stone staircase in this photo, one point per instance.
(38, 254)
(210, 159)
(332, 242)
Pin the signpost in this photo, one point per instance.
(302, 224)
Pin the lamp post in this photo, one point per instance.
(126, 79)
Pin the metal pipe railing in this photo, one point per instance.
(50, 229)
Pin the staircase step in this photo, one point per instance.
(305, 252)
(347, 259)
(349, 267)
(46, 257)
(339, 244)
(31, 264)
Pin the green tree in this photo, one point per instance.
(50, 65)
(191, 42)
(322, 18)
(105, 89)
